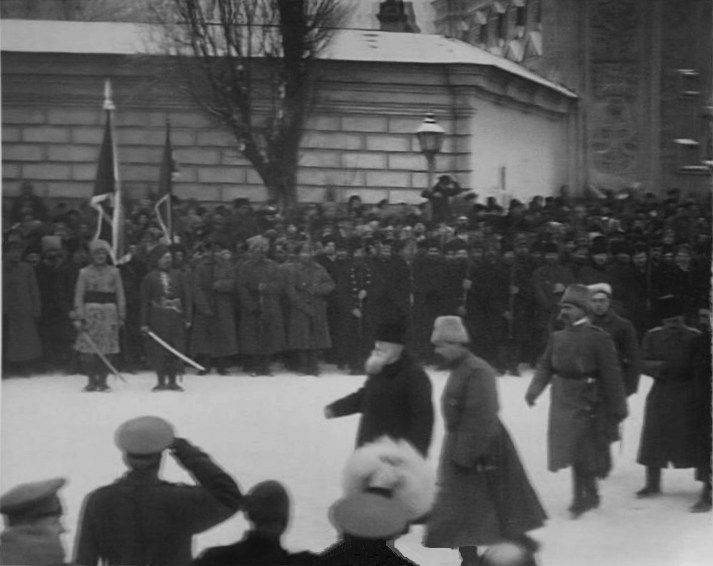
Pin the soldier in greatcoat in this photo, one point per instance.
(549, 282)
(213, 336)
(484, 494)
(307, 287)
(667, 436)
(587, 398)
(140, 519)
(622, 332)
(166, 310)
(702, 413)
(356, 310)
(21, 307)
(261, 285)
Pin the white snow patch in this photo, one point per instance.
(261, 428)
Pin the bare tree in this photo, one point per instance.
(251, 65)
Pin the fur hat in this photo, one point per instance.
(51, 243)
(257, 241)
(96, 245)
(599, 246)
(600, 288)
(392, 331)
(669, 306)
(386, 485)
(449, 329)
(577, 295)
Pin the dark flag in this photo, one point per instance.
(106, 198)
(165, 187)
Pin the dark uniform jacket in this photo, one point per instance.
(627, 347)
(363, 552)
(588, 399)
(667, 435)
(395, 402)
(255, 549)
(140, 519)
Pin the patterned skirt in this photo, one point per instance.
(102, 326)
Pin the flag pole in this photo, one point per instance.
(169, 212)
(117, 228)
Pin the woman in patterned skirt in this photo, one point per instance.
(100, 309)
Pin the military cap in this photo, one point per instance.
(455, 245)
(368, 515)
(669, 306)
(599, 245)
(144, 435)
(29, 501)
(600, 288)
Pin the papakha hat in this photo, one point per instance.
(577, 295)
(449, 329)
(599, 288)
(368, 515)
(144, 435)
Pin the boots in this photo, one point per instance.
(172, 385)
(653, 483)
(703, 505)
(101, 381)
(161, 385)
(586, 496)
(88, 365)
(469, 556)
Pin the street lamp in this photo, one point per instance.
(430, 138)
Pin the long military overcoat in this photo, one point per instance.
(484, 494)
(213, 331)
(587, 397)
(260, 284)
(308, 283)
(668, 434)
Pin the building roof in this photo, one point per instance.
(119, 38)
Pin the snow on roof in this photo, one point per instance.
(119, 38)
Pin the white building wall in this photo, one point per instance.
(530, 146)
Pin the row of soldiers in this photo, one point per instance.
(269, 300)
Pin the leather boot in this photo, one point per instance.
(469, 556)
(577, 506)
(172, 385)
(161, 385)
(653, 483)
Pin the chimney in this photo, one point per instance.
(396, 15)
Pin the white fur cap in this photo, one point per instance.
(449, 329)
(394, 466)
(599, 288)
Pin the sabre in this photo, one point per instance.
(175, 352)
(102, 357)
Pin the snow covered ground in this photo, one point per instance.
(262, 428)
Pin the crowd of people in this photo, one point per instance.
(310, 284)
(590, 293)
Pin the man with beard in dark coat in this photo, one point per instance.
(622, 332)
(395, 401)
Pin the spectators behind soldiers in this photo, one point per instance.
(407, 264)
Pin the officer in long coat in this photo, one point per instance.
(622, 332)
(166, 310)
(356, 311)
(587, 398)
(395, 400)
(261, 284)
(141, 519)
(485, 496)
(549, 282)
(21, 307)
(667, 436)
(307, 287)
(213, 336)
(702, 413)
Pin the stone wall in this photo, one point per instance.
(359, 140)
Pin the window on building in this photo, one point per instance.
(502, 25)
(483, 33)
(521, 16)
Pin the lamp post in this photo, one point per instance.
(430, 138)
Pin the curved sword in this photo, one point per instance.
(175, 352)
